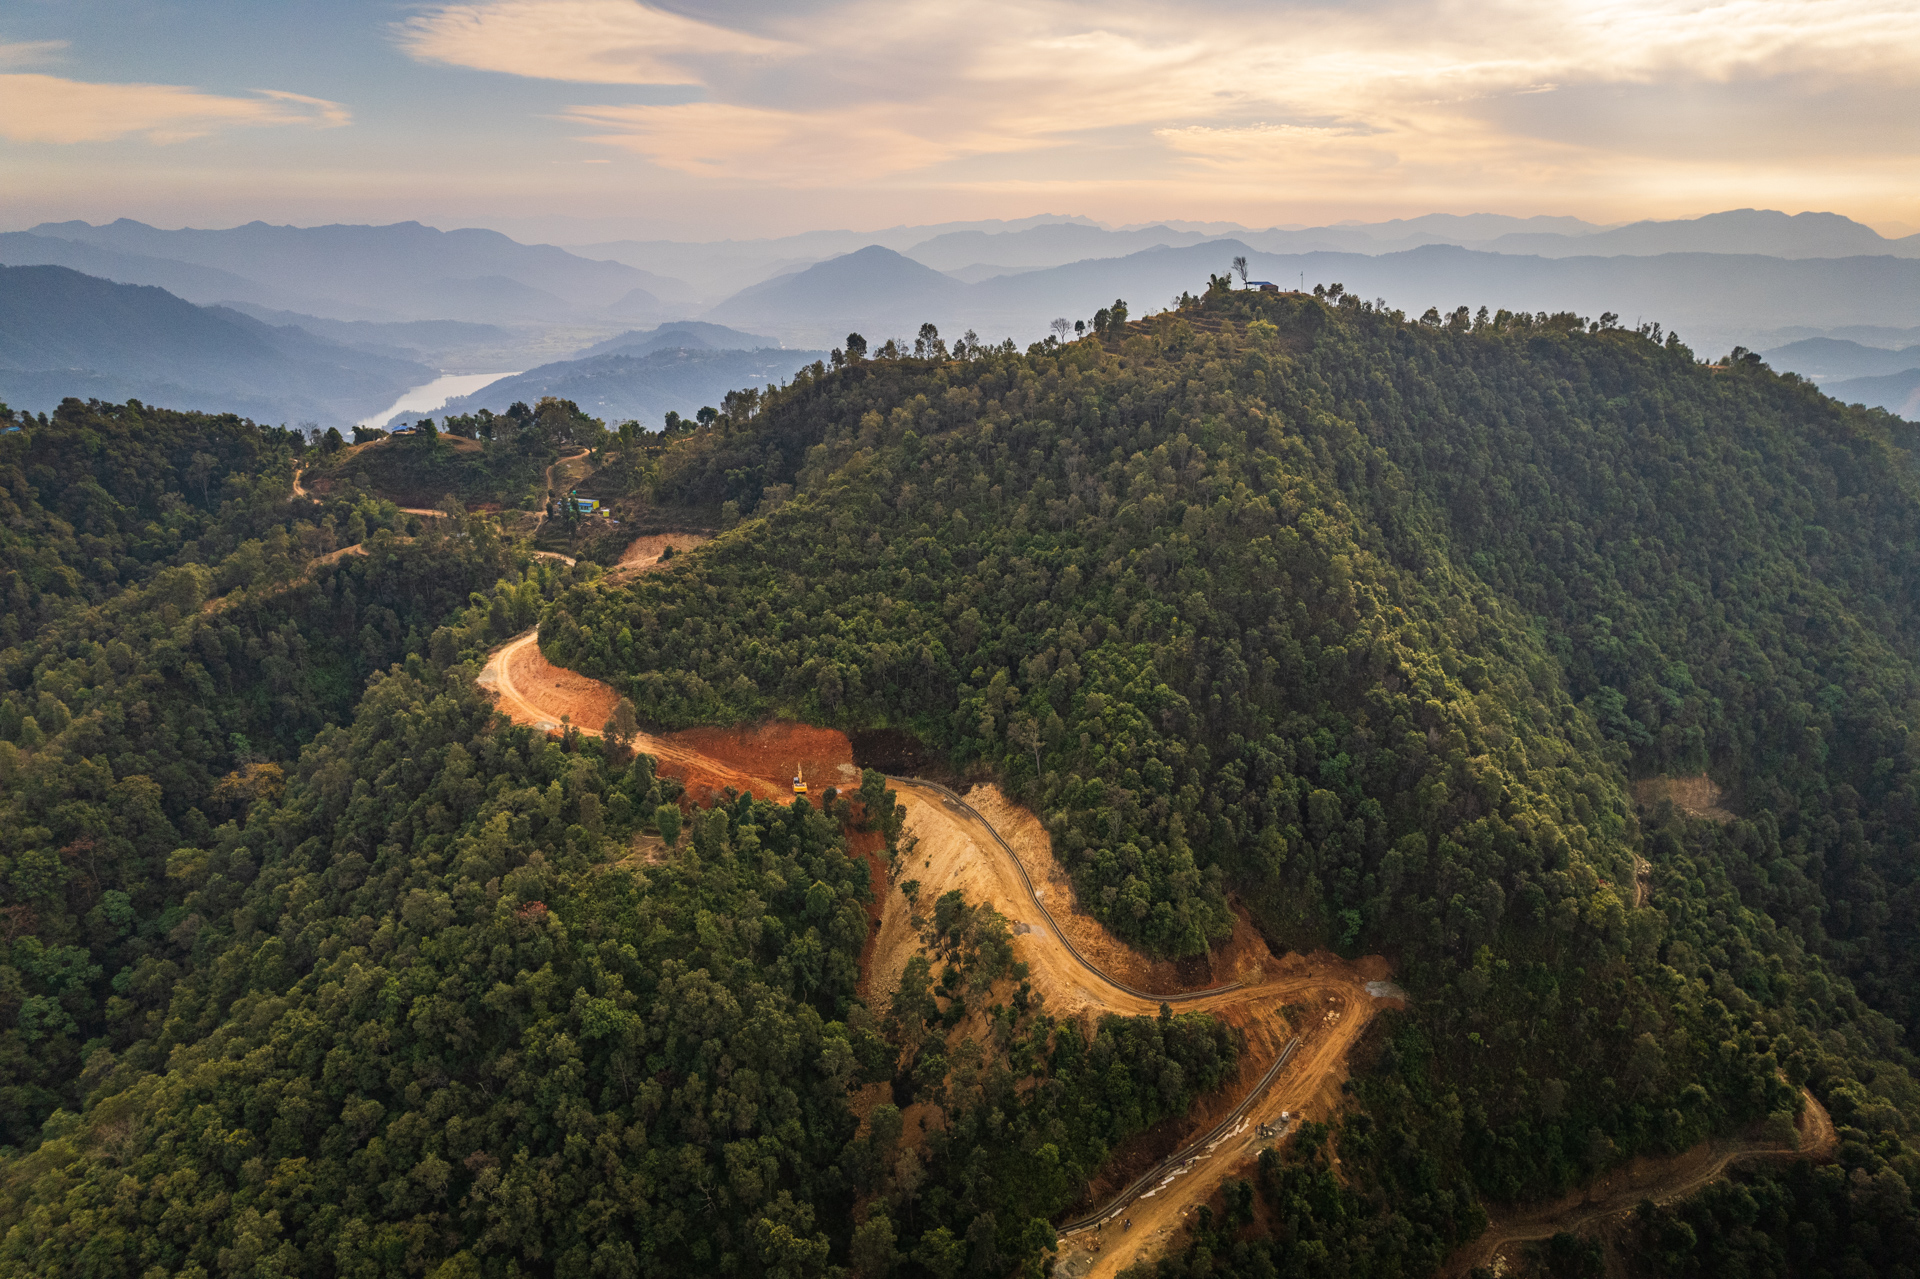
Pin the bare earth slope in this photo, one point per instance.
(954, 846)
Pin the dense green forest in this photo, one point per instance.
(177, 628)
(478, 459)
(1370, 622)
(315, 966)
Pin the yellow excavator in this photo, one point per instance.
(799, 780)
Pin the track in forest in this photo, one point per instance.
(954, 801)
(1249, 1007)
(1183, 1159)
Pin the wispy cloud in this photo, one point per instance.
(30, 53)
(44, 108)
(802, 149)
(589, 41)
(1440, 96)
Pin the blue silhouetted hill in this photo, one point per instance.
(64, 334)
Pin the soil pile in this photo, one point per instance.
(644, 552)
(1696, 796)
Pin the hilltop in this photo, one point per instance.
(1348, 617)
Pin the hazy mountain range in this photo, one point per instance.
(409, 272)
(400, 272)
(644, 381)
(67, 334)
(1857, 373)
(430, 341)
(374, 304)
(1716, 298)
(693, 335)
(975, 255)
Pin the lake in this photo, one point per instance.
(430, 396)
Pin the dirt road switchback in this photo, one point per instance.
(1298, 1014)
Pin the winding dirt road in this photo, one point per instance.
(533, 691)
(555, 465)
(1307, 1009)
(1662, 1180)
(1299, 1014)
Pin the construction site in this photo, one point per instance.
(1297, 1014)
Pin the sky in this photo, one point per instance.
(736, 118)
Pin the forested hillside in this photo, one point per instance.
(1371, 622)
(478, 459)
(315, 966)
(176, 629)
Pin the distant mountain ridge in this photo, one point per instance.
(975, 255)
(693, 335)
(873, 288)
(1714, 297)
(413, 339)
(408, 271)
(202, 285)
(1745, 231)
(621, 386)
(1897, 393)
(64, 334)
(402, 271)
(1830, 359)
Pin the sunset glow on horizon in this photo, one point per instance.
(746, 119)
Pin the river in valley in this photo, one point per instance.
(429, 396)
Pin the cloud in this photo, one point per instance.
(590, 41)
(1439, 97)
(43, 108)
(30, 53)
(792, 148)
(304, 110)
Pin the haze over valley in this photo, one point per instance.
(400, 297)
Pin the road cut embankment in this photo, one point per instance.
(1298, 1015)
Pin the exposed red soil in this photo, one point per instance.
(775, 750)
(586, 703)
(956, 848)
(533, 691)
(708, 786)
